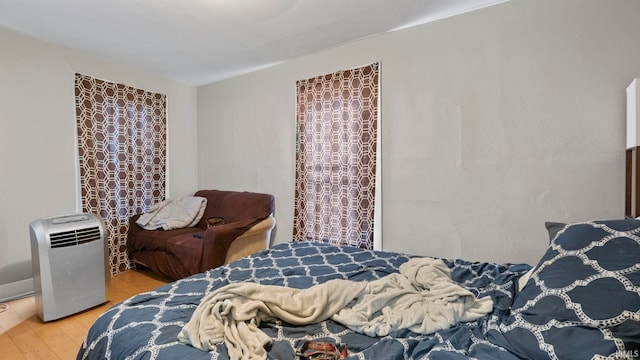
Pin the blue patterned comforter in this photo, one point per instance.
(146, 325)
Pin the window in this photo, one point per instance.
(336, 157)
(122, 156)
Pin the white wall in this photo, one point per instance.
(37, 137)
(492, 123)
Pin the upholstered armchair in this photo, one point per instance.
(246, 228)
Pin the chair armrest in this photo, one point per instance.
(260, 228)
(257, 238)
(216, 242)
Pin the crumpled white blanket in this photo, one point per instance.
(233, 313)
(174, 214)
(421, 298)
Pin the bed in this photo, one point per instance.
(581, 301)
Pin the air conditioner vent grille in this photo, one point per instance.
(74, 237)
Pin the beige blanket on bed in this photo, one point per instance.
(421, 298)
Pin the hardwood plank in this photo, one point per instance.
(32, 347)
(25, 307)
(58, 341)
(9, 319)
(74, 330)
(35, 323)
(9, 349)
(24, 336)
(19, 328)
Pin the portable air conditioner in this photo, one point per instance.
(70, 271)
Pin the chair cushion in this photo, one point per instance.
(187, 248)
(157, 240)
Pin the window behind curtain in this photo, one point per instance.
(122, 154)
(337, 119)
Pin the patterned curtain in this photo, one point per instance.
(122, 151)
(337, 116)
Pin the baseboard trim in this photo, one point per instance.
(16, 290)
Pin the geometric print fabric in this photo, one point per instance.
(146, 325)
(122, 156)
(584, 293)
(337, 121)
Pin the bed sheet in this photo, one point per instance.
(146, 326)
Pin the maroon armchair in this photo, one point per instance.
(248, 222)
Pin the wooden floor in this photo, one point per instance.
(24, 336)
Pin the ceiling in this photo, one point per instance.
(196, 42)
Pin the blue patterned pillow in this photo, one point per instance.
(583, 298)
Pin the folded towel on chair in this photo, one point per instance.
(174, 214)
